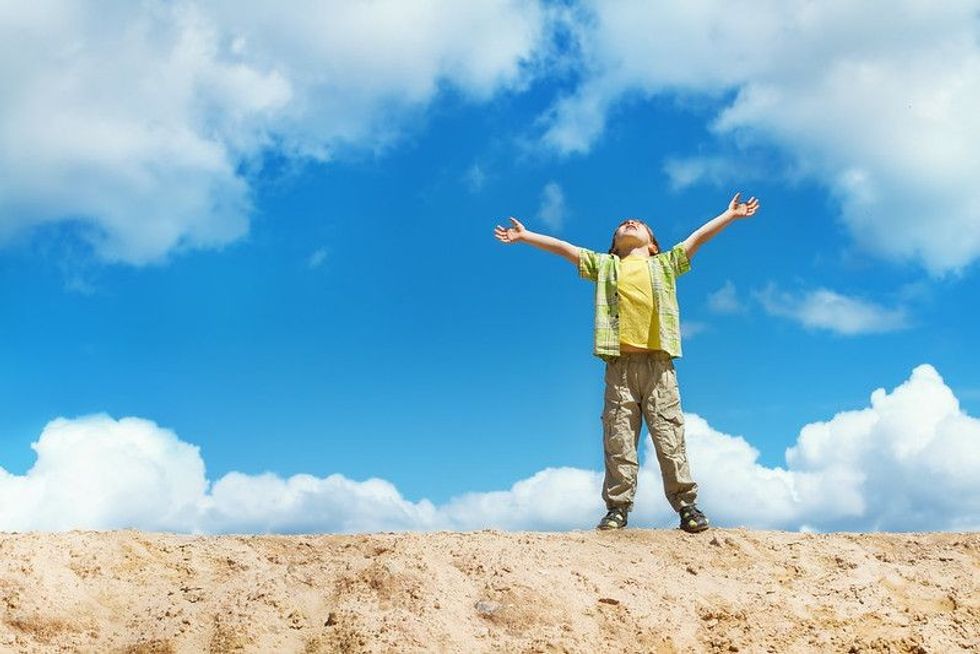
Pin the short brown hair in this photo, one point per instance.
(654, 245)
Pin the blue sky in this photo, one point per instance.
(296, 273)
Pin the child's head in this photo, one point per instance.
(633, 233)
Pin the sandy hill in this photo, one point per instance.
(726, 590)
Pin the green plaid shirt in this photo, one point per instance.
(665, 268)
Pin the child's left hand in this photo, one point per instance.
(742, 209)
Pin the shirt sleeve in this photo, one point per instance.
(588, 264)
(678, 261)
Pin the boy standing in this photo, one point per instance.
(637, 334)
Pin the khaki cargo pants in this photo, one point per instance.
(644, 384)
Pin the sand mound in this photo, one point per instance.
(726, 590)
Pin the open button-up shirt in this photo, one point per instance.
(665, 268)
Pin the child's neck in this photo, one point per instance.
(642, 251)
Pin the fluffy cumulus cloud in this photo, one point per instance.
(100, 472)
(140, 123)
(876, 102)
(908, 461)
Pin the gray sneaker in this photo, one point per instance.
(615, 519)
(692, 520)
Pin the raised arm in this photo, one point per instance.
(707, 231)
(517, 233)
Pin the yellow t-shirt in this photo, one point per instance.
(637, 326)
(665, 318)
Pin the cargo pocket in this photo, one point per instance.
(670, 417)
(611, 397)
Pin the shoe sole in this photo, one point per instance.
(695, 530)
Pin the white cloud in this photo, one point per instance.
(909, 461)
(551, 211)
(317, 258)
(877, 103)
(269, 503)
(691, 328)
(726, 299)
(475, 178)
(826, 309)
(106, 473)
(139, 123)
(683, 172)
(552, 499)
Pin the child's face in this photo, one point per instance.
(630, 234)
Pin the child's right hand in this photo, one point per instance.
(512, 234)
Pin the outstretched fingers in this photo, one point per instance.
(509, 234)
(743, 208)
(506, 234)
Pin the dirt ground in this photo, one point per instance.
(637, 590)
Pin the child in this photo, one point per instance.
(637, 334)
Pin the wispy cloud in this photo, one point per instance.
(316, 259)
(726, 300)
(908, 461)
(475, 178)
(551, 210)
(683, 172)
(826, 309)
(691, 328)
